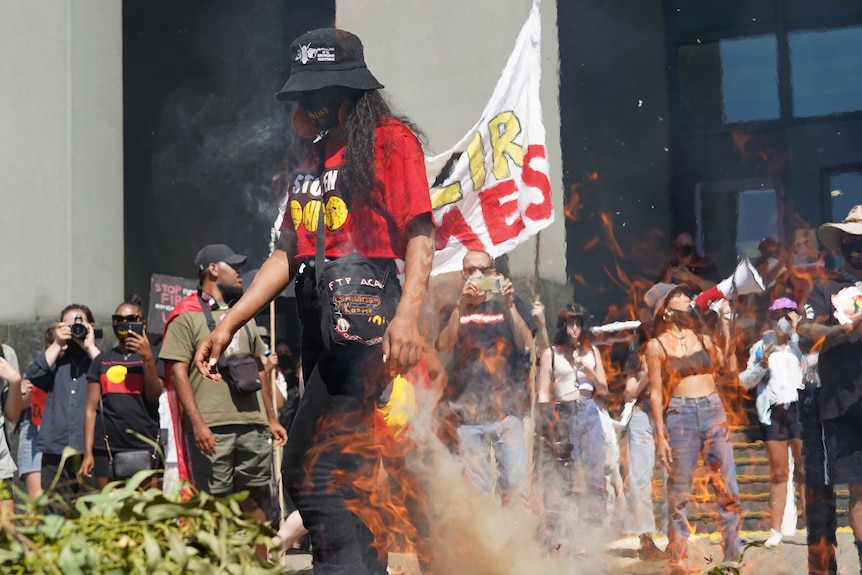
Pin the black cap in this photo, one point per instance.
(215, 253)
(327, 57)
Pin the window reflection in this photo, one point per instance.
(845, 190)
(826, 71)
(729, 81)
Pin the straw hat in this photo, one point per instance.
(830, 234)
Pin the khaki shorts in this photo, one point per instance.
(243, 458)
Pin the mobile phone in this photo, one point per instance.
(489, 283)
(137, 327)
(769, 338)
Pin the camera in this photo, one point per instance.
(489, 283)
(79, 329)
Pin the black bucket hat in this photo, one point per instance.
(327, 57)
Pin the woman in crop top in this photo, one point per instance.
(570, 372)
(681, 363)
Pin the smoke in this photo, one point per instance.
(221, 132)
(475, 532)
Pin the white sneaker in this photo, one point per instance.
(773, 540)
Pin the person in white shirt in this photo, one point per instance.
(777, 367)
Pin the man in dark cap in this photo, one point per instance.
(228, 432)
(361, 195)
(834, 329)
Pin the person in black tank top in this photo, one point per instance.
(690, 421)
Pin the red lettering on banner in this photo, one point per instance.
(534, 179)
(496, 212)
(453, 224)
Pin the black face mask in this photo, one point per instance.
(285, 363)
(684, 251)
(322, 106)
(852, 253)
(121, 330)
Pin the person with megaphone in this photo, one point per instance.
(690, 422)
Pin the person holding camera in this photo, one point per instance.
(125, 385)
(229, 426)
(61, 371)
(776, 364)
(489, 330)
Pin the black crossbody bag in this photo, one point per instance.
(124, 464)
(238, 370)
(358, 295)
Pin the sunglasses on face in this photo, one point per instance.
(130, 318)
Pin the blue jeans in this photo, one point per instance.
(510, 451)
(697, 427)
(641, 463)
(588, 447)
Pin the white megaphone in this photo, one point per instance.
(744, 280)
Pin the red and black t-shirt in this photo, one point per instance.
(375, 229)
(488, 377)
(121, 379)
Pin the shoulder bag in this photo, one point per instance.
(124, 464)
(239, 370)
(358, 295)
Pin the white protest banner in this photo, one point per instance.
(492, 190)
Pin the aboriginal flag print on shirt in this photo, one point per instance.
(121, 381)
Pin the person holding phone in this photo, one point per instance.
(489, 331)
(123, 394)
(777, 367)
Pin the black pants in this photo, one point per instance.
(66, 486)
(820, 518)
(329, 460)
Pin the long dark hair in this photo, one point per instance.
(571, 311)
(357, 173)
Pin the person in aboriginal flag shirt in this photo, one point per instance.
(127, 381)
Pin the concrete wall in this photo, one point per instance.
(440, 61)
(61, 159)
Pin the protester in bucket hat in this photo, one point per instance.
(360, 195)
(690, 421)
(832, 434)
(657, 296)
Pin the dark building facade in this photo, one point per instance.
(734, 121)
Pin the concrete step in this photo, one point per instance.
(752, 468)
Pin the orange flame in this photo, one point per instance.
(574, 205)
(740, 141)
